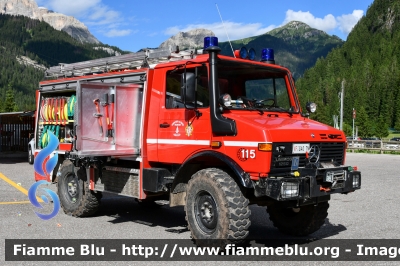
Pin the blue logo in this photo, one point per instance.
(45, 170)
(43, 154)
(53, 195)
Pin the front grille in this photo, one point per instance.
(282, 154)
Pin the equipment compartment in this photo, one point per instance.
(56, 115)
(108, 119)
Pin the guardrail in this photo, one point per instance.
(373, 145)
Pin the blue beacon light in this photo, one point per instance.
(252, 54)
(210, 41)
(243, 53)
(267, 55)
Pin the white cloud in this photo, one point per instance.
(238, 30)
(93, 13)
(344, 23)
(117, 33)
(70, 8)
(103, 13)
(235, 30)
(327, 23)
(347, 22)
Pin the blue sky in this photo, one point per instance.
(132, 25)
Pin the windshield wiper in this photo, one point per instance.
(255, 109)
(281, 110)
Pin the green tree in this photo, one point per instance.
(381, 130)
(369, 61)
(347, 129)
(364, 124)
(9, 103)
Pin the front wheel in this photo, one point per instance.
(216, 208)
(73, 190)
(300, 221)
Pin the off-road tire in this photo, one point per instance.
(305, 221)
(31, 157)
(73, 190)
(227, 220)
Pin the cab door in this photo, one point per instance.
(181, 132)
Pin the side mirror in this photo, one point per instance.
(188, 88)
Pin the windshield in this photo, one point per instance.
(252, 86)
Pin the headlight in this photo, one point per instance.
(289, 190)
(311, 107)
(356, 181)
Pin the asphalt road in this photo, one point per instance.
(369, 213)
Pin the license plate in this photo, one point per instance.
(300, 148)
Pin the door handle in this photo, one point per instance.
(164, 125)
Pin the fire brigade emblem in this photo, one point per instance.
(189, 130)
(177, 124)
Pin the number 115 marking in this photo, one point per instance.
(246, 154)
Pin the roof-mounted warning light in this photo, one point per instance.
(252, 54)
(267, 56)
(243, 53)
(210, 41)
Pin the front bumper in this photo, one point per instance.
(311, 183)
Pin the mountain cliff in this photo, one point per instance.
(29, 8)
(297, 46)
(190, 39)
(296, 31)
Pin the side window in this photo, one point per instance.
(173, 88)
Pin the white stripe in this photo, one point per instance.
(179, 141)
(241, 143)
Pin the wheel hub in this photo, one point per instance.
(206, 212)
(72, 188)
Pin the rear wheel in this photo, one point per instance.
(299, 221)
(73, 190)
(216, 208)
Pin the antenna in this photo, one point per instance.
(225, 30)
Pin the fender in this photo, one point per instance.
(186, 168)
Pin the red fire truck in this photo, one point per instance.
(209, 132)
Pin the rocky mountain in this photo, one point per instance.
(297, 46)
(29, 8)
(190, 39)
(296, 31)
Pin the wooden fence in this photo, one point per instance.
(15, 131)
